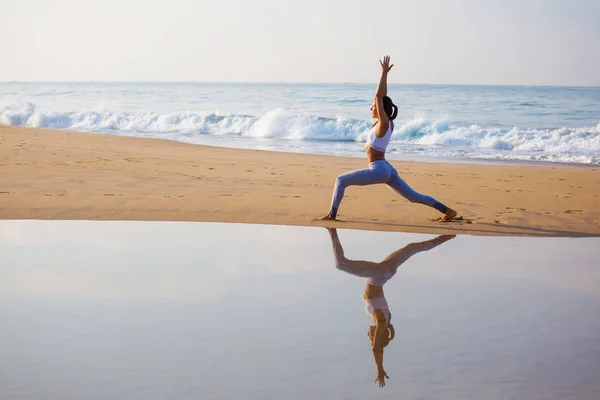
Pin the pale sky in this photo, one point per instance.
(522, 42)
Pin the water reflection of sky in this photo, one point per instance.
(189, 310)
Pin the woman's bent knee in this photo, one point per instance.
(341, 181)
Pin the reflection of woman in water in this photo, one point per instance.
(377, 275)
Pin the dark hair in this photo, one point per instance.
(391, 333)
(391, 110)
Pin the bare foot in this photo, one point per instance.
(449, 216)
(325, 218)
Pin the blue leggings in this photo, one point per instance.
(379, 172)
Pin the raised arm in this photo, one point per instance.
(385, 68)
(383, 122)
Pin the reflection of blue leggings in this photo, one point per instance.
(381, 272)
(379, 171)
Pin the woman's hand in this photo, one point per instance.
(385, 65)
(381, 375)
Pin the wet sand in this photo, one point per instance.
(51, 174)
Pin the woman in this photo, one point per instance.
(377, 275)
(380, 171)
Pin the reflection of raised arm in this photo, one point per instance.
(365, 269)
(377, 348)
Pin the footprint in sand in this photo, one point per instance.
(572, 211)
(109, 194)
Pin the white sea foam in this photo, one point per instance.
(578, 145)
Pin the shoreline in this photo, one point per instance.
(356, 155)
(416, 159)
(59, 174)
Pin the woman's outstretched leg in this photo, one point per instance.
(361, 177)
(402, 188)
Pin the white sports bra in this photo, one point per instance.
(380, 143)
(377, 303)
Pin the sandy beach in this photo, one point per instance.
(51, 174)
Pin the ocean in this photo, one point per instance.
(446, 123)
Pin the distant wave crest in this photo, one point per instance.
(579, 145)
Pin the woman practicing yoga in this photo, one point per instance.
(377, 275)
(379, 170)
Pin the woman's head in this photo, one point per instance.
(391, 110)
